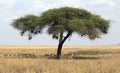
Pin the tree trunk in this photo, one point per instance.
(61, 44)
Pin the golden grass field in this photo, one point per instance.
(75, 59)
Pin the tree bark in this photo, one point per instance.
(61, 37)
(61, 44)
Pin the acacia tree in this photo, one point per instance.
(65, 20)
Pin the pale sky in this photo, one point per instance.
(12, 9)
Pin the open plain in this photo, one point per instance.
(75, 59)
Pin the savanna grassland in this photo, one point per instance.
(75, 59)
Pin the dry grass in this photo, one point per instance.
(75, 60)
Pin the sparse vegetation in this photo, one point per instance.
(74, 60)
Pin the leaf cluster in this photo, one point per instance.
(65, 19)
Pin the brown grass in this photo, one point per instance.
(36, 59)
(54, 47)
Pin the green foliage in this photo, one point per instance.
(28, 24)
(65, 19)
(24, 23)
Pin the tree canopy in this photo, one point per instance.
(63, 20)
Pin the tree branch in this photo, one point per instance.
(69, 33)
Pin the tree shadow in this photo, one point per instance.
(90, 54)
(47, 56)
(77, 55)
(53, 56)
(28, 56)
(50, 56)
(86, 58)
